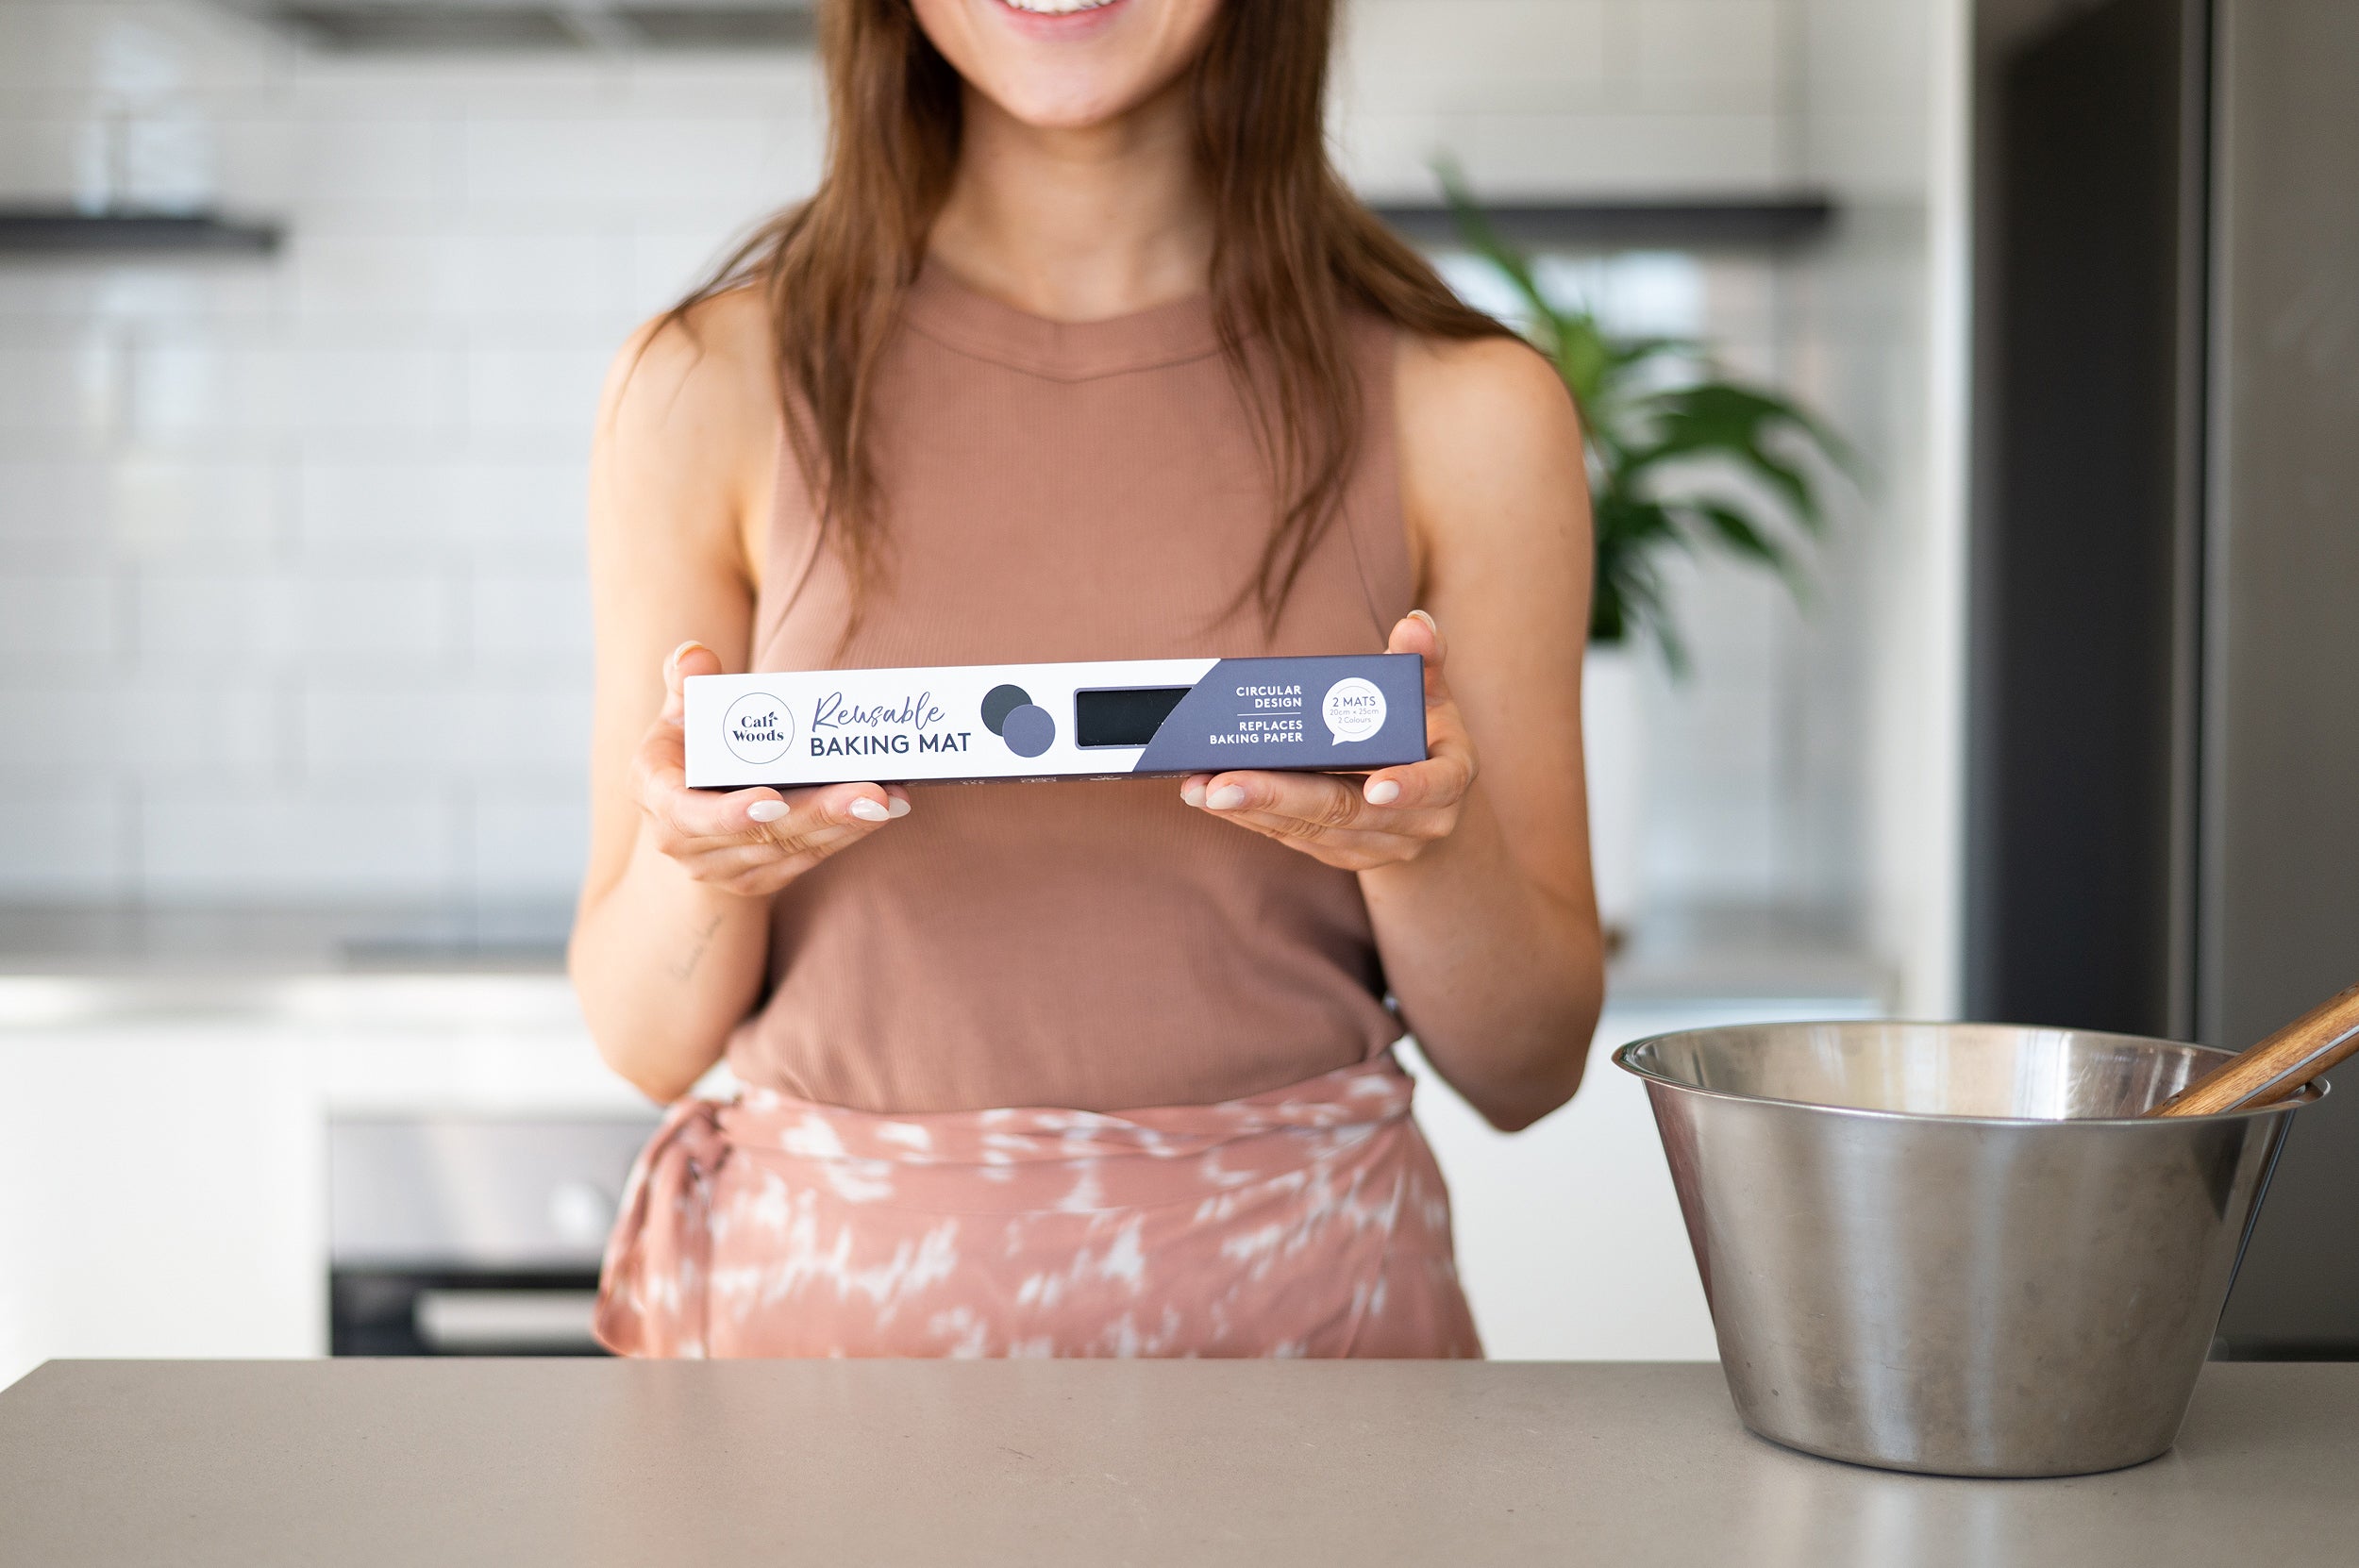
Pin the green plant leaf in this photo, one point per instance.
(1742, 535)
(1715, 418)
(1648, 406)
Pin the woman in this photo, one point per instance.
(1080, 351)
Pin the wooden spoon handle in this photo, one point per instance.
(2275, 1068)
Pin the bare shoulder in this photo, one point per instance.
(1480, 381)
(687, 427)
(1490, 448)
(707, 368)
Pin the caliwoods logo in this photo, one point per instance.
(758, 728)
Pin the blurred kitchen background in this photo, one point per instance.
(304, 309)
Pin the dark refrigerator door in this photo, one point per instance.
(2163, 827)
(2279, 877)
(2083, 694)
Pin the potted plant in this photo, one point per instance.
(1665, 436)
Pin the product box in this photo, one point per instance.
(1104, 720)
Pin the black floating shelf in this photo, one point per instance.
(1747, 224)
(37, 231)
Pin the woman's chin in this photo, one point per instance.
(1063, 110)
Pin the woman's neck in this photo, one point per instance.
(1079, 224)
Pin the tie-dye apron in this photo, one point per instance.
(1308, 1221)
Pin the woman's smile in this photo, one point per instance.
(1060, 18)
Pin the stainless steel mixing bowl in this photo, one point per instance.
(1955, 1247)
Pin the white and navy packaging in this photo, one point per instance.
(1106, 719)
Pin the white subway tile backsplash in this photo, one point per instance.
(1724, 54)
(383, 617)
(62, 841)
(143, 50)
(49, 620)
(410, 732)
(349, 840)
(519, 509)
(665, 264)
(607, 161)
(156, 294)
(516, 515)
(54, 500)
(392, 153)
(49, 390)
(293, 620)
(1700, 154)
(376, 510)
(539, 621)
(536, 389)
(59, 735)
(40, 159)
(738, 86)
(184, 389)
(529, 844)
(373, 390)
(582, 273)
(319, 517)
(196, 511)
(523, 732)
(207, 621)
(367, 271)
(490, 730)
(99, 733)
(1405, 55)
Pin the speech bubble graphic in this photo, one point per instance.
(1353, 709)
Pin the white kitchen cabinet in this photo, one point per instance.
(162, 1192)
(164, 1184)
(1569, 1236)
(163, 1181)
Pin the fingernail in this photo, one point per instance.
(896, 807)
(1383, 792)
(1227, 798)
(868, 810)
(1428, 621)
(766, 810)
(672, 662)
(1192, 792)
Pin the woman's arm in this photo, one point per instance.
(670, 940)
(1476, 862)
(1491, 941)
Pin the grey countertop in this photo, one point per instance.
(358, 1464)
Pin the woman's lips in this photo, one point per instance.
(1073, 18)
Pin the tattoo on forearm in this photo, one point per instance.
(685, 965)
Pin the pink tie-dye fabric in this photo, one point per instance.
(1308, 1221)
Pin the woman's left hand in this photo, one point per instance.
(1392, 817)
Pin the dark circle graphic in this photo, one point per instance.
(1000, 702)
(1028, 730)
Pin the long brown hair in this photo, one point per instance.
(1293, 252)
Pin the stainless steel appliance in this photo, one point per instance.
(1954, 1247)
(2162, 832)
(453, 1236)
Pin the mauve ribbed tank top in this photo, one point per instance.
(1069, 491)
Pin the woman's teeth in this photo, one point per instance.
(1056, 8)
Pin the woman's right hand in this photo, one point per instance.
(751, 842)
